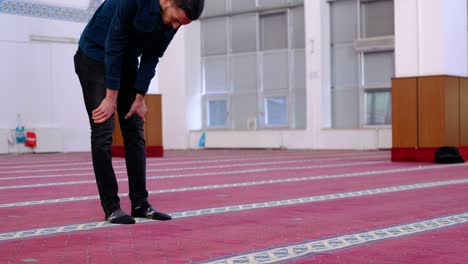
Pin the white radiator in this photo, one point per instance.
(243, 139)
(49, 140)
(384, 137)
(4, 134)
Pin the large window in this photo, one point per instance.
(362, 62)
(253, 64)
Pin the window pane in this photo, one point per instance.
(345, 108)
(242, 5)
(243, 108)
(274, 31)
(377, 18)
(216, 74)
(343, 21)
(214, 7)
(300, 108)
(214, 42)
(217, 112)
(379, 68)
(275, 71)
(299, 74)
(298, 28)
(276, 109)
(378, 108)
(344, 66)
(244, 33)
(244, 73)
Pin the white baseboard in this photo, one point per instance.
(243, 139)
(4, 134)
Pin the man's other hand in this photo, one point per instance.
(138, 107)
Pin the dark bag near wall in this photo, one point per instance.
(448, 155)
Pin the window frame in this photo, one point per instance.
(206, 110)
(264, 111)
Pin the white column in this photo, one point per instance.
(431, 37)
(171, 78)
(317, 71)
(193, 75)
(179, 79)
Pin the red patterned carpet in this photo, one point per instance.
(239, 206)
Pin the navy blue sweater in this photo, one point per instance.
(121, 32)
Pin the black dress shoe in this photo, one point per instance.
(147, 211)
(120, 217)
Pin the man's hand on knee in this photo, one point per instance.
(106, 108)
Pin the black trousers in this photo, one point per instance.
(92, 78)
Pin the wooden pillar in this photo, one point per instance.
(405, 112)
(429, 112)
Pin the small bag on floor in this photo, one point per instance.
(448, 155)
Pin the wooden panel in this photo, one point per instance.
(464, 111)
(431, 113)
(452, 111)
(404, 113)
(438, 111)
(153, 124)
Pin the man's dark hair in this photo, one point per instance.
(192, 8)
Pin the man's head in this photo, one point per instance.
(180, 12)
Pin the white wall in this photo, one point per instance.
(43, 87)
(180, 86)
(171, 74)
(431, 37)
(37, 79)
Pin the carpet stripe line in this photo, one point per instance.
(197, 157)
(177, 169)
(221, 186)
(36, 185)
(312, 247)
(151, 164)
(231, 208)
